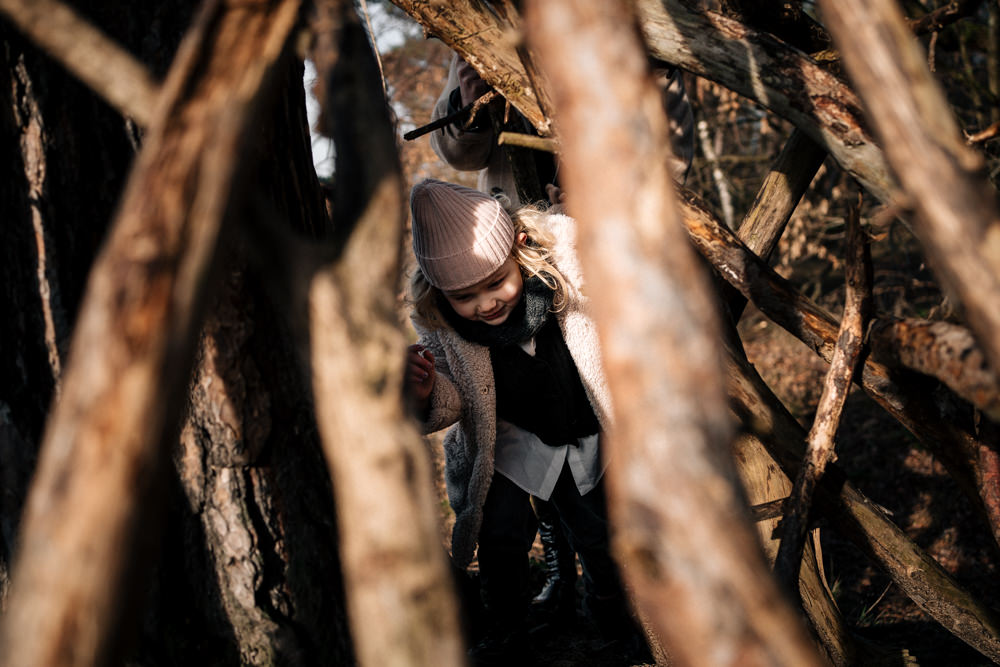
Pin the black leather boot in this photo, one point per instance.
(555, 604)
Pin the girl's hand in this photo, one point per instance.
(420, 376)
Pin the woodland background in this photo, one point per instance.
(229, 469)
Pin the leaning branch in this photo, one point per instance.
(108, 69)
(958, 218)
(942, 350)
(855, 517)
(777, 76)
(820, 443)
(403, 611)
(107, 441)
(486, 40)
(779, 194)
(909, 403)
(660, 351)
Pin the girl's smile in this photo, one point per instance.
(490, 300)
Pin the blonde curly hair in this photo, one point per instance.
(533, 256)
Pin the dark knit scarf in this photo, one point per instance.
(541, 394)
(522, 324)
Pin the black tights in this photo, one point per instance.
(508, 530)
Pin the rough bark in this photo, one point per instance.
(929, 419)
(402, 609)
(820, 441)
(691, 557)
(66, 156)
(487, 40)
(958, 220)
(102, 465)
(784, 80)
(942, 350)
(854, 516)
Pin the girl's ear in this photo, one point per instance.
(522, 238)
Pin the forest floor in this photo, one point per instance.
(887, 464)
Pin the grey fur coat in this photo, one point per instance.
(464, 395)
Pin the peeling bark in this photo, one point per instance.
(820, 441)
(942, 350)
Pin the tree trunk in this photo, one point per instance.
(248, 569)
(66, 155)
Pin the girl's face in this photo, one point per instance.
(491, 300)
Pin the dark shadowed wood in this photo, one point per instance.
(91, 504)
(943, 179)
(820, 441)
(908, 401)
(400, 602)
(681, 525)
(767, 488)
(858, 519)
(105, 67)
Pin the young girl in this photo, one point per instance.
(508, 351)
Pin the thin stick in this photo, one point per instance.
(820, 446)
(522, 140)
(106, 68)
(472, 108)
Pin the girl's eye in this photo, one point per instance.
(461, 297)
(497, 283)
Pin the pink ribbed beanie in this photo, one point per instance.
(460, 235)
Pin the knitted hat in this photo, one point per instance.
(460, 236)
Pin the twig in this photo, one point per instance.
(725, 199)
(820, 446)
(472, 108)
(982, 136)
(546, 144)
(106, 68)
(943, 16)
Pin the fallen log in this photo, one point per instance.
(690, 556)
